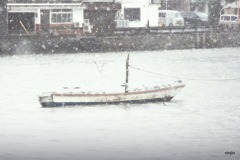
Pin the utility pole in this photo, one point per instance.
(3, 17)
(3, 25)
(185, 5)
(166, 4)
(238, 13)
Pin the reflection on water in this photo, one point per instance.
(201, 122)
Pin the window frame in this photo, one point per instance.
(132, 14)
(161, 15)
(62, 16)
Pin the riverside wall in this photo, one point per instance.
(171, 41)
(20, 44)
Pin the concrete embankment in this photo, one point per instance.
(17, 44)
(171, 41)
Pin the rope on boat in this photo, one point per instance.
(194, 79)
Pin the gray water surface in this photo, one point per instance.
(200, 123)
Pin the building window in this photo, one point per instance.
(61, 16)
(132, 14)
(162, 15)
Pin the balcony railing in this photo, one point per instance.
(44, 1)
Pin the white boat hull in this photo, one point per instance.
(67, 99)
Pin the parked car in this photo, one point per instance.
(228, 21)
(204, 17)
(192, 19)
(170, 18)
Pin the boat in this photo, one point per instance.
(74, 98)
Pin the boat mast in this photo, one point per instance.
(127, 70)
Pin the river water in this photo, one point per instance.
(201, 122)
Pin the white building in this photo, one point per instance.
(138, 13)
(37, 16)
(231, 8)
